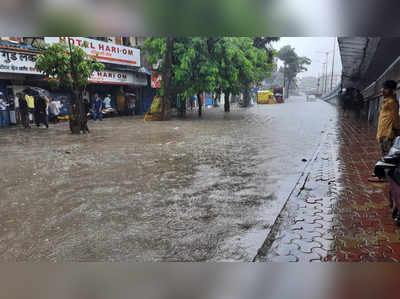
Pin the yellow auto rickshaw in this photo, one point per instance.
(265, 97)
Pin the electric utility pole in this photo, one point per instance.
(326, 72)
(333, 61)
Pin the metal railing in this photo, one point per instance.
(334, 93)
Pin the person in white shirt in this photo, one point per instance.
(54, 110)
(107, 102)
(17, 112)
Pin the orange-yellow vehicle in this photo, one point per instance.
(265, 97)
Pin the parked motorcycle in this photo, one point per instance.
(389, 167)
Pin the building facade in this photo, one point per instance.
(123, 76)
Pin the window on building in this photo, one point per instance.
(126, 41)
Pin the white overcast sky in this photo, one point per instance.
(313, 48)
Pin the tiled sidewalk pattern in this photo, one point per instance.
(336, 214)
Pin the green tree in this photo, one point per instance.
(293, 65)
(192, 69)
(254, 65)
(71, 69)
(240, 66)
(263, 42)
(228, 65)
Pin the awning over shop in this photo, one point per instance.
(356, 54)
(364, 59)
(17, 46)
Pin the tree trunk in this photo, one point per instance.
(75, 113)
(284, 76)
(184, 107)
(167, 79)
(200, 103)
(227, 106)
(288, 89)
(246, 97)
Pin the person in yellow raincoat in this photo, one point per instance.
(155, 109)
(389, 123)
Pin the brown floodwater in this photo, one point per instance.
(184, 190)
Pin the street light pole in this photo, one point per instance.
(326, 72)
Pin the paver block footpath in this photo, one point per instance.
(336, 215)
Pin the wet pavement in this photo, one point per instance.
(335, 214)
(183, 190)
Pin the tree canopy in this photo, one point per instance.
(293, 64)
(212, 64)
(69, 69)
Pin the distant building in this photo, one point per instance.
(308, 84)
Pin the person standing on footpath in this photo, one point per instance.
(97, 108)
(54, 111)
(3, 111)
(389, 122)
(41, 111)
(23, 110)
(31, 106)
(84, 120)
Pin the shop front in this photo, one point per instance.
(123, 87)
(17, 68)
(121, 80)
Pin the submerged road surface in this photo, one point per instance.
(185, 190)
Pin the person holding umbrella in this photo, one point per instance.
(23, 109)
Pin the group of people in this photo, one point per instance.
(389, 121)
(33, 107)
(40, 109)
(100, 106)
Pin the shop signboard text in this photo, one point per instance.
(105, 52)
(18, 62)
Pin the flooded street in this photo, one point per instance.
(185, 190)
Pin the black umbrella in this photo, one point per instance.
(37, 91)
